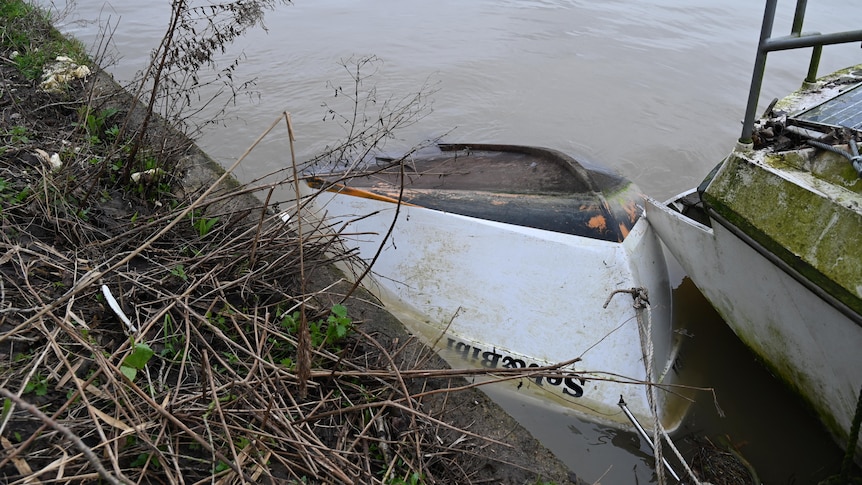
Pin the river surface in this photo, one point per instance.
(652, 88)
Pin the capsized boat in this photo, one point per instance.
(509, 257)
(772, 236)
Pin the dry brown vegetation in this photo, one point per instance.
(202, 383)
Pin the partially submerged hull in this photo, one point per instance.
(468, 255)
(772, 240)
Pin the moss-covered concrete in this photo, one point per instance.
(804, 218)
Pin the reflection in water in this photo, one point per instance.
(626, 441)
(591, 450)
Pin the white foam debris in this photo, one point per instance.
(59, 74)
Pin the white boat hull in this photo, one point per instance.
(499, 295)
(810, 345)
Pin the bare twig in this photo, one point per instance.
(88, 453)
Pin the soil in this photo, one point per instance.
(67, 231)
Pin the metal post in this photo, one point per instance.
(645, 436)
(757, 76)
(815, 63)
(798, 17)
(796, 30)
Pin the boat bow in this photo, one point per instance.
(504, 257)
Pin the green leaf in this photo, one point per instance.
(139, 356)
(7, 406)
(290, 322)
(129, 372)
(141, 460)
(180, 272)
(339, 310)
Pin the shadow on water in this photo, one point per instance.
(763, 423)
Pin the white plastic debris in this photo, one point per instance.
(57, 75)
(112, 302)
(53, 161)
(147, 175)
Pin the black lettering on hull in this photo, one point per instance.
(570, 385)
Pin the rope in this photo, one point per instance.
(679, 457)
(641, 303)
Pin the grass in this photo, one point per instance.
(27, 32)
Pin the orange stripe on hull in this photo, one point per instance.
(316, 183)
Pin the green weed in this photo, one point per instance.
(38, 384)
(412, 479)
(179, 271)
(7, 408)
(218, 320)
(329, 332)
(22, 195)
(203, 225)
(20, 357)
(95, 123)
(173, 345)
(137, 360)
(337, 324)
(231, 357)
(143, 458)
(17, 135)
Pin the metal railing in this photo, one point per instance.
(796, 40)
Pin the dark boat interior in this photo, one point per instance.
(521, 185)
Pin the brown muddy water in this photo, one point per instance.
(654, 89)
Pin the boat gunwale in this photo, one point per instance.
(607, 212)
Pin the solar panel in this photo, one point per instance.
(844, 110)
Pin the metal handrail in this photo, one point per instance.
(796, 40)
